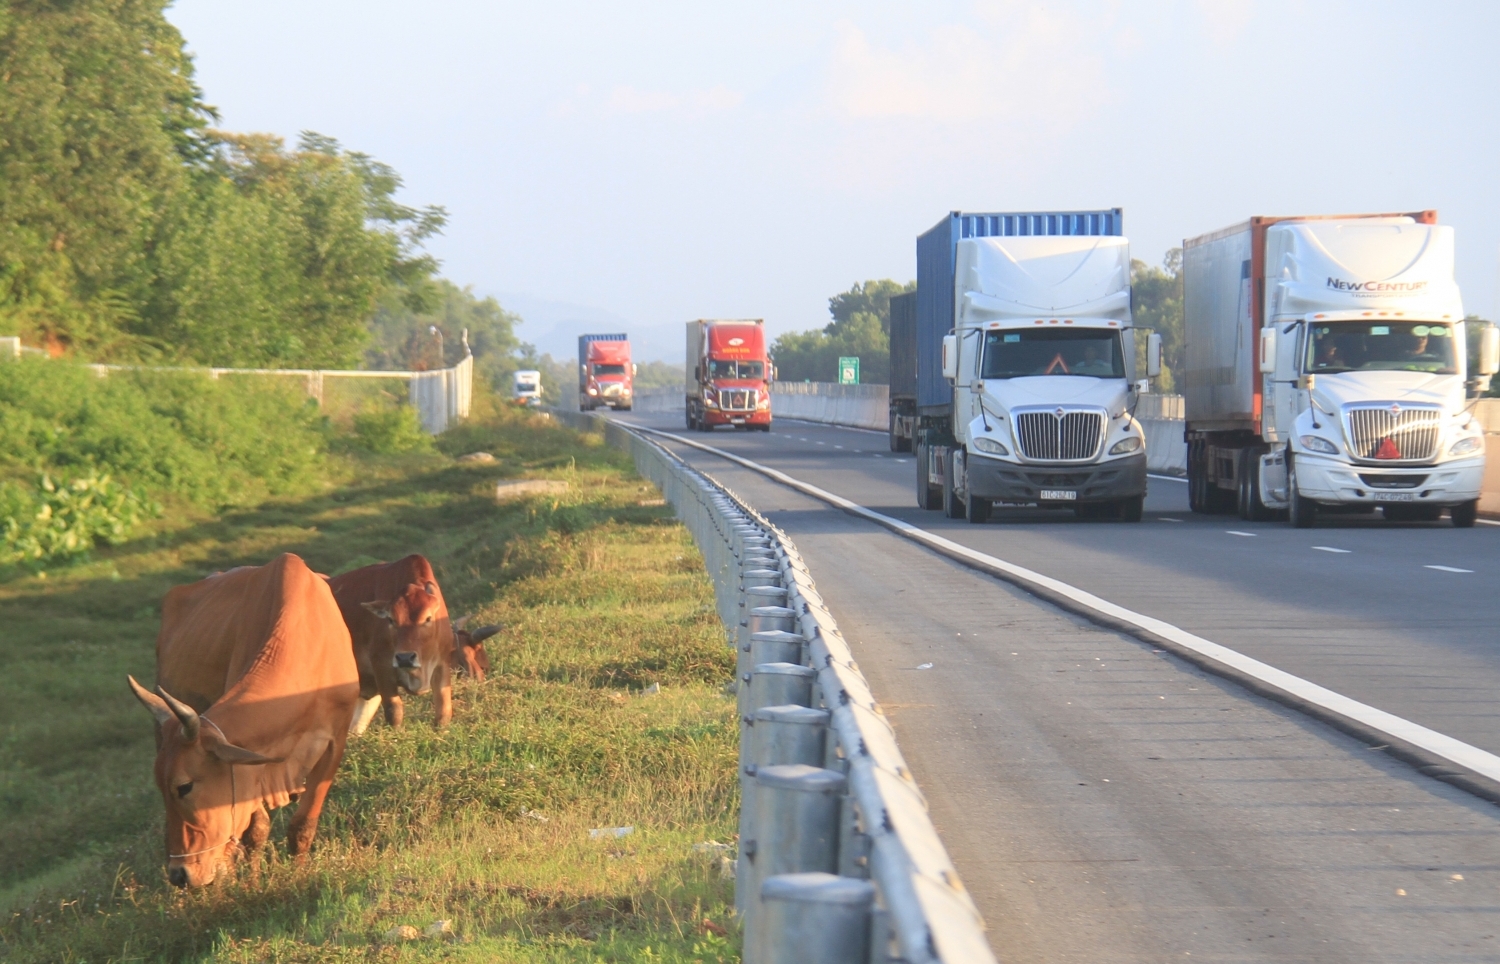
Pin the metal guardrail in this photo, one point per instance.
(848, 810)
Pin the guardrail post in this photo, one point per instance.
(775, 736)
(796, 827)
(815, 918)
(777, 684)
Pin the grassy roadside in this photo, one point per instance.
(485, 825)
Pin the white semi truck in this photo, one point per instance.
(1026, 319)
(1328, 370)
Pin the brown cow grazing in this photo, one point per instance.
(276, 734)
(469, 657)
(402, 638)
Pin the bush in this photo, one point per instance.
(389, 431)
(63, 520)
(230, 441)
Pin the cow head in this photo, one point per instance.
(418, 620)
(468, 648)
(207, 808)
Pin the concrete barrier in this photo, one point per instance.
(670, 399)
(858, 406)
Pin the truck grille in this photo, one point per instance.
(1059, 435)
(1411, 431)
(737, 400)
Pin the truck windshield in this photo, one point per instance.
(736, 369)
(1389, 346)
(609, 369)
(1052, 351)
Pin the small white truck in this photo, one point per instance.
(526, 388)
(1038, 359)
(1327, 370)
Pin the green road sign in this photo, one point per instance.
(848, 371)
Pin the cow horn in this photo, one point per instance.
(484, 632)
(151, 701)
(185, 714)
(462, 621)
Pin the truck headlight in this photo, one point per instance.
(1129, 443)
(1474, 443)
(1315, 444)
(989, 446)
(710, 398)
(593, 391)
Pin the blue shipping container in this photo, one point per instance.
(936, 250)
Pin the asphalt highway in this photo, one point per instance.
(1108, 802)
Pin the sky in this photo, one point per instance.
(639, 165)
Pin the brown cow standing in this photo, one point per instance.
(277, 733)
(402, 637)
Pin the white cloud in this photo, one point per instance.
(1019, 61)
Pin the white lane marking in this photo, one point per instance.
(832, 425)
(822, 443)
(1165, 478)
(1236, 532)
(1166, 519)
(903, 461)
(1456, 751)
(879, 456)
(1447, 569)
(1330, 549)
(801, 439)
(1487, 522)
(860, 451)
(838, 446)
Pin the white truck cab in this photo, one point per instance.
(1360, 361)
(1042, 360)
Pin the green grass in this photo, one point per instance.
(484, 824)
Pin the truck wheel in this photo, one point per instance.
(953, 506)
(1465, 514)
(1302, 512)
(1250, 506)
(626, 408)
(977, 510)
(927, 497)
(692, 423)
(1133, 508)
(1197, 474)
(899, 443)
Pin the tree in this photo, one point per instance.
(402, 338)
(1156, 302)
(860, 327)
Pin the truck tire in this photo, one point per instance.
(1465, 514)
(1301, 512)
(899, 443)
(1197, 476)
(928, 497)
(977, 510)
(1132, 509)
(953, 506)
(692, 423)
(1249, 503)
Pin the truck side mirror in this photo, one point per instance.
(1153, 355)
(950, 356)
(635, 369)
(1267, 350)
(1489, 351)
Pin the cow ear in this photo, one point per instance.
(462, 621)
(152, 702)
(431, 588)
(230, 753)
(379, 609)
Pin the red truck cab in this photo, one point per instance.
(729, 375)
(605, 373)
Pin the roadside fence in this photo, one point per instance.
(839, 862)
(440, 397)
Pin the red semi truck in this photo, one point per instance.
(728, 375)
(605, 372)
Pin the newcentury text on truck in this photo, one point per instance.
(1025, 382)
(1328, 369)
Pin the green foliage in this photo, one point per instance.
(230, 441)
(128, 230)
(390, 431)
(402, 338)
(62, 520)
(861, 327)
(660, 374)
(1156, 295)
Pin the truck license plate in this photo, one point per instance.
(1394, 497)
(1054, 495)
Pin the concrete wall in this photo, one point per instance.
(668, 399)
(859, 406)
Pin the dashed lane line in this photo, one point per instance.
(1331, 549)
(1236, 532)
(1447, 569)
(1435, 754)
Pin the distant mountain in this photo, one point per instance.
(554, 326)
